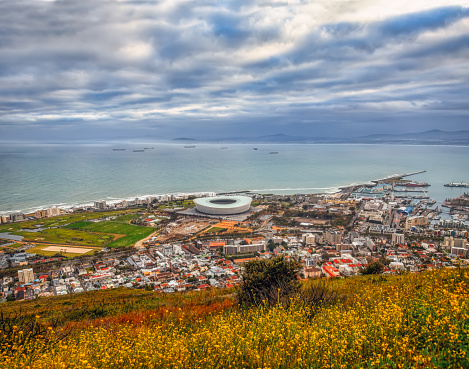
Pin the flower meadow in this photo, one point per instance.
(403, 321)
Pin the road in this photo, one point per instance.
(356, 214)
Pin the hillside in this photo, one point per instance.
(432, 137)
(410, 320)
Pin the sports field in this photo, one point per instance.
(124, 234)
(70, 250)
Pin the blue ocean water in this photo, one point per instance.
(38, 176)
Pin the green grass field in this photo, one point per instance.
(77, 229)
(11, 247)
(126, 218)
(177, 204)
(111, 227)
(130, 239)
(131, 233)
(67, 236)
(216, 230)
(78, 225)
(63, 220)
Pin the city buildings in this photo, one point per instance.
(334, 236)
(25, 276)
(100, 205)
(397, 238)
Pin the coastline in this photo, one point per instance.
(277, 191)
(96, 173)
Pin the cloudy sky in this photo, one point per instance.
(76, 70)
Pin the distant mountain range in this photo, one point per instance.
(433, 137)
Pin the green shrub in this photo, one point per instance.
(269, 281)
(373, 268)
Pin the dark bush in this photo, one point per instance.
(373, 268)
(315, 294)
(269, 281)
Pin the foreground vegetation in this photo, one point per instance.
(405, 321)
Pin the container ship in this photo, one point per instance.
(455, 184)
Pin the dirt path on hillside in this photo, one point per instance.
(139, 244)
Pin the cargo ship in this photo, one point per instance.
(455, 184)
(189, 147)
(118, 149)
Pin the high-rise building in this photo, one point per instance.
(241, 249)
(40, 214)
(230, 249)
(342, 247)
(308, 239)
(397, 238)
(52, 212)
(17, 217)
(26, 275)
(333, 237)
(100, 205)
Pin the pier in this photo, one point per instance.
(397, 177)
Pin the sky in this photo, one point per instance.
(158, 70)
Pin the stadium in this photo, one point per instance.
(223, 205)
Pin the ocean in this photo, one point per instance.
(34, 176)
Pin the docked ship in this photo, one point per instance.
(189, 147)
(118, 149)
(414, 184)
(455, 184)
(139, 150)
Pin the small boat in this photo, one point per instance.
(273, 152)
(254, 148)
(223, 147)
(189, 147)
(139, 150)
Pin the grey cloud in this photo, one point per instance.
(164, 67)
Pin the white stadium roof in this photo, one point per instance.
(223, 205)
